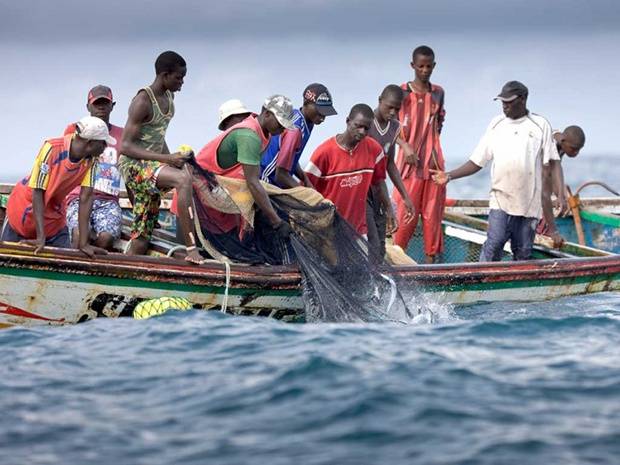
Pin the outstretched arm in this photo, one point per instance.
(466, 169)
(252, 178)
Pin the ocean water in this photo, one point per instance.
(486, 384)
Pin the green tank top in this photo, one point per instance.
(153, 132)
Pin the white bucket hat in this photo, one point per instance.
(229, 108)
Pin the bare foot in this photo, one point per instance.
(194, 257)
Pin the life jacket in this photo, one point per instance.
(207, 157)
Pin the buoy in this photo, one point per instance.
(154, 307)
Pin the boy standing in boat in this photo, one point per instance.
(36, 206)
(105, 216)
(568, 142)
(148, 167)
(344, 167)
(385, 130)
(519, 144)
(280, 162)
(422, 116)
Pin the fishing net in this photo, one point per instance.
(339, 280)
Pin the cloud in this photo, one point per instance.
(121, 20)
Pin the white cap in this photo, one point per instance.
(229, 108)
(93, 128)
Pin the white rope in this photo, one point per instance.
(174, 249)
(224, 305)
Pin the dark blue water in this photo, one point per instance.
(489, 384)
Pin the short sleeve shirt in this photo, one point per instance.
(517, 149)
(55, 173)
(239, 146)
(344, 176)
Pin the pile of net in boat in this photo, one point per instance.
(340, 281)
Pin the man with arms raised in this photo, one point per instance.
(148, 167)
(344, 167)
(519, 144)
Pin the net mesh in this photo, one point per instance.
(339, 281)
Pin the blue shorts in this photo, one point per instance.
(104, 217)
(60, 239)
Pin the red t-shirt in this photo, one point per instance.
(344, 176)
(57, 175)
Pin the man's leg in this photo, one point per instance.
(106, 222)
(497, 235)
(522, 234)
(433, 204)
(72, 221)
(406, 231)
(181, 180)
(60, 239)
(9, 234)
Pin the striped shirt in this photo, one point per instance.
(57, 175)
(344, 176)
(422, 116)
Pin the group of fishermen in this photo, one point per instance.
(70, 198)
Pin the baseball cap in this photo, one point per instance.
(98, 92)
(319, 95)
(282, 109)
(512, 90)
(229, 108)
(93, 128)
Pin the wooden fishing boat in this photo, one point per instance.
(60, 286)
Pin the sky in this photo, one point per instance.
(566, 52)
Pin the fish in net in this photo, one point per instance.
(340, 281)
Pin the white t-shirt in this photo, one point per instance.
(518, 148)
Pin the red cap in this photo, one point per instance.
(98, 92)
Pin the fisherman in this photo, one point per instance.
(422, 115)
(568, 142)
(519, 144)
(231, 112)
(236, 153)
(379, 212)
(148, 167)
(280, 161)
(105, 216)
(36, 206)
(344, 167)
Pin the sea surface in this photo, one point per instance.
(487, 384)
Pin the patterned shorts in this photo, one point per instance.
(141, 180)
(105, 217)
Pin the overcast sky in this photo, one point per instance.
(52, 52)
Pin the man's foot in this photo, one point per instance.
(193, 256)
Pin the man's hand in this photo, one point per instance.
(283, 230)
(557, 238)
(91, 250)
(178, 159)
(561, 203)
(391, 223)
(410, 215)
(306, 181)
(38, 244)
(410, 156)
(440, 177)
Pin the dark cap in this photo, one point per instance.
(319, 95)
(98, 92)
(512, 90)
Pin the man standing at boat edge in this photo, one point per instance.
(519, 144)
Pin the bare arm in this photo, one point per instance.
(38, 207)
(284, 178)
(410, 156)
(557, 180)
(380, 190)
(301, 175)
(466, 169)
(251, 174)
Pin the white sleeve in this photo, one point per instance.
(482, 154)
(549, 149)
